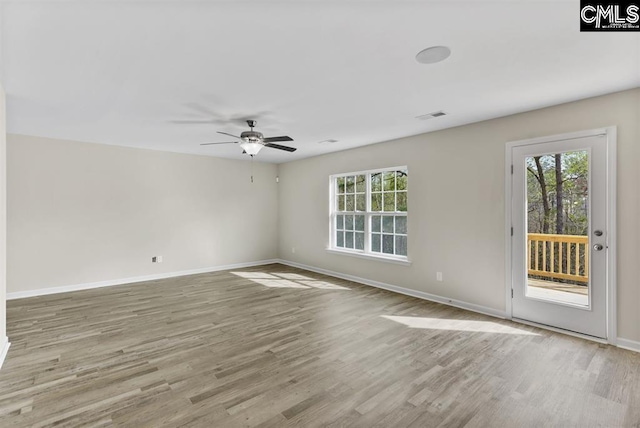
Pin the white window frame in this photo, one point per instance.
(366, 253)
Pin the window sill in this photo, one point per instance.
(394, 260)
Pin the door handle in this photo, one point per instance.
(598, 247)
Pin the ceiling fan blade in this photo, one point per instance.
(230, 135)
(279, 147)
(274, 139)
(227, 142)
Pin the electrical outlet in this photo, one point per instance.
(159, 259)
(293, 250)
(438, 276)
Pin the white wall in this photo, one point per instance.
(3, 227)
(456, 203)
(81, 213)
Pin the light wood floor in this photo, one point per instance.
(275, 346)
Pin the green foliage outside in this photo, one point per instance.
(557, 193)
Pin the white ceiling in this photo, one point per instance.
(121, 72)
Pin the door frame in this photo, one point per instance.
(611, 305)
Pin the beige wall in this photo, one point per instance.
(456, 203)
(81, 213)
(3, 221)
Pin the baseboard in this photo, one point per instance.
(109, 283)
(631, 345)
(4, 349)
(406, 291)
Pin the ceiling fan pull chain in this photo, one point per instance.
(252, 168)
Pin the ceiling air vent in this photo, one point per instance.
(431, 115)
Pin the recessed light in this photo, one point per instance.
(433, 54)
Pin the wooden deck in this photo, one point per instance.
(557, 292)
(567, 288)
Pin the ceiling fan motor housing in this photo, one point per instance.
(252, 136)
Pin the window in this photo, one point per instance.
(369, 212)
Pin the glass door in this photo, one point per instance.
(557, 202)
(559, 240)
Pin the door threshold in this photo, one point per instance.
(560, 330)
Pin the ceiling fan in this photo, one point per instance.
(253, 141)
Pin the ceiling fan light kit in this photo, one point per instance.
(251, 148)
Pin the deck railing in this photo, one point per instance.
(558, 256)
